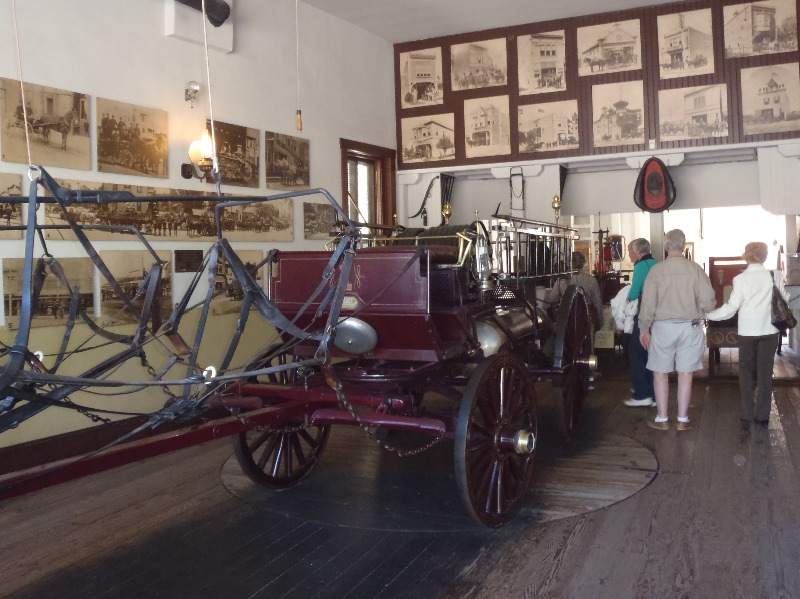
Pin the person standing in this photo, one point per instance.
(641, 377)
(751, 297)
(677, 296)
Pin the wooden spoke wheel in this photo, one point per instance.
(572, 359)
(495, 439)
(280, 458)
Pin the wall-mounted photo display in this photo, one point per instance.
(129, 268)
(486, 127)
(229, 293)
(57, 123)
(618, 114)
(428, 138)
(131, 139)
(271, 220)
(541, 61)
(693, 112)
(52, 308)
(287, 161)
(548, 127)
(238, 153)
(421, 77)
(771, 99)
(478, 64)
(685, 44)
(756, 28)
(10, 214)
(319, 221)
(609, 48)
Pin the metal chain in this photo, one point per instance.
(152, 372)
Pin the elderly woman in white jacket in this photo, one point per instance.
(758, 339)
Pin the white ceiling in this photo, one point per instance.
(408, 20)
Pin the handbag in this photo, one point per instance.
(782, 316)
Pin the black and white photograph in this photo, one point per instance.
(428, 138)
(478, 64)
(548, 127)
(757, 28)
(693, 112)
(238, 153)
(288, 161)
(129, 268)
(685, 44)
(486, 127)
(131, 139)
(57, 121)
(10, 214)
(421, 78)
(618, 114)
(541, 62)
(229, 293)
(319, 221)
(52, 308)
(609, 48)
(771, 99)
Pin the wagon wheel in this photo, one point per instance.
(125, 158)
(572, 360)
(495, 439)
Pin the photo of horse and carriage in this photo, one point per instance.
(609, 48)
(131, 140)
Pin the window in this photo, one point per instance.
(368, 186)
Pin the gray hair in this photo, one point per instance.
(756, 252)
(578, 260)
(640, 245)
(674, 241)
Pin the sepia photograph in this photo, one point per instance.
(287, 162)
(428, 138)
(478, 64)
(609, 48)
(685, 44)
(618, 114)
(52, 309)
(238, 153)
(129, 269)
(757, 28)
(319, 221)
(228, 293)
(57, 121)
(421, 78)
(486, 127)
(771, 99)
(10, 214)
(131, 139)
(541, 61)
(693, 112)
(548, 127)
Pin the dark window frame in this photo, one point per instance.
(385, 161)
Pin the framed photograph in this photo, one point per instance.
(486, 127)
(231, 294)
(238, 152)
(428, 138)
(129, 268)
(57, 122)
(685, 44)
(548, 127)
(131, 139)
(609, 48)
(770, 96)
(53, 305)
(478, 64)
(757, 28)
(319, 221)
(287, 162)
(541, 61)
(421, 78)
(693, 112)
(10, 214)
(618, 114)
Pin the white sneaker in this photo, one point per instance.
(636, 403)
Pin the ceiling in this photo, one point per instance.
(408, 20)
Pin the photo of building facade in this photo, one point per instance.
(685, 44)
(617, 110)
(770, 99)
(428, 138)
(421, 77)
(548, 127)
(760, 28)
(486, 126)
(611, 47)
(693, 112)
(541, 62)
(479, 64)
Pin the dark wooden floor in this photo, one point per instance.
(721, 519)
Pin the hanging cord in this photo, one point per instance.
(21, 86)
(514, 194)
(297, 62)
(214, 158)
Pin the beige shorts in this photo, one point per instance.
(676, 346)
